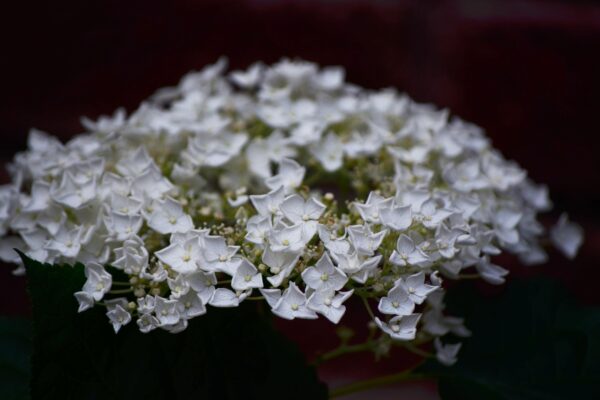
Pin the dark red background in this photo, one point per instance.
(527, 71)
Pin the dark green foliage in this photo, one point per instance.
(15, 350)
(532, 342)
(225, 354)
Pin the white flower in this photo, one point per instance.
(414, 155)
(430, 215)
(145, 305)
(246, 277)
(168, 217)
(248, 78)
(465, 176)
(147, 322)
(292, 304)
(289, 175)
(324, 275)
(371, 210)
(71, 193)
(567, 236)
(136, 163)
(446, 354)
(289, 239)
(66, 242)
(416, 287)
(224, 298)
(357, 266)
(179, 287)
(132, 257)
(329, 304)
(307, 132)
(214, 151)
(190, 305)
(105, 124)
(437, 324)
(272, 296)
(445, 241)
(397, 301)
(406, 253)
(40, 198)
(124, 204)
(183, 257)
(333, 243)
(400, 327)
(258, 228)
(505, 225)
(218, 256)
(166, 311)
(491, 273)
(280, 264)
(268, 204)
(397, 218)
(122, 226)
(118, 317)
(203, 283)
(151, 184)
(329, 152)
(98, 281)
(364, 240)
(85, 300)
(297, 210)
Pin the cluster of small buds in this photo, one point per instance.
(281, 183)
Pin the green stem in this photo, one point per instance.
(368, 307)
(114, 283)
(255, 298)
(120, 291)
(417, 351)
(343, 350)
(375, 382)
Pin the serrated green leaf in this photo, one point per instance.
(225, 354)
(15, 351)
(532, 342)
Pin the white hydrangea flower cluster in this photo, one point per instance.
(281, 182)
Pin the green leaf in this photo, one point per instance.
(532, 342)
(15, 351)
(225, 354)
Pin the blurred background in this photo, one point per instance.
(527, 71)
